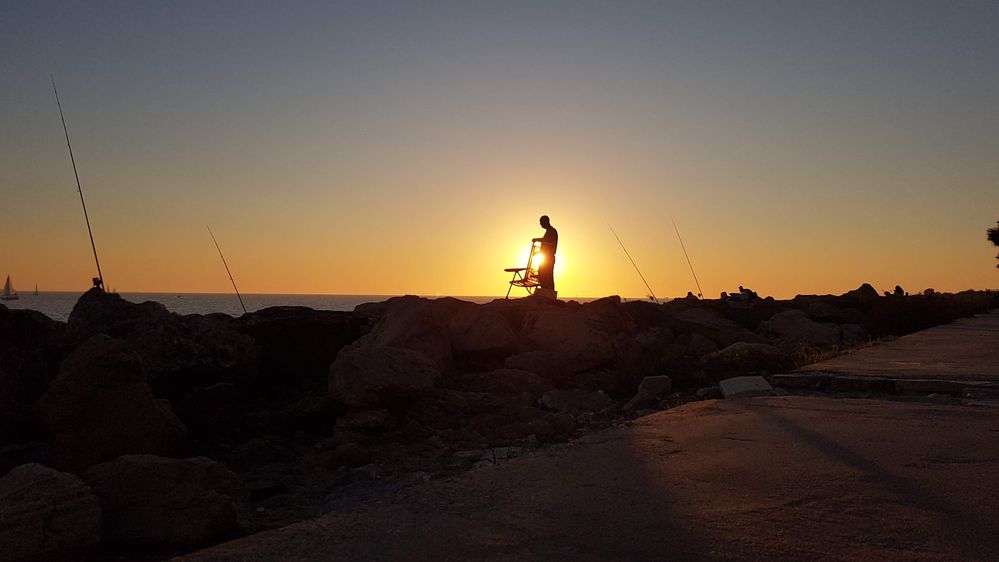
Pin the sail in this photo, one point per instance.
(8, 290)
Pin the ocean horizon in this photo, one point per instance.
(58, 304)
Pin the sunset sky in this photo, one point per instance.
(410, 147)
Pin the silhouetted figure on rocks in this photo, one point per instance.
(549, 243)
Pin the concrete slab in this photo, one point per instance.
(742, 387)
(964, 350)
(771, 478)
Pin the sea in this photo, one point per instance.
(58, 305)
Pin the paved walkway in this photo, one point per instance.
(785, 478)
(965, 350)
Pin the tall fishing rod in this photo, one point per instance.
(651, 293)
(690, 265)
(79, 189)
(227, 268)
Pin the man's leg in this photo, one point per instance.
(546, 274)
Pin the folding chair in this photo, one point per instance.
(526, 277)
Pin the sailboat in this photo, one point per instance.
(36, 289)
(9, 294)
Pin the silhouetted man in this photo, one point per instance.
(549, 243)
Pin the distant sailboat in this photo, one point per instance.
(36, 289)
(9, 294)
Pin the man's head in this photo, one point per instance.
(545, 223)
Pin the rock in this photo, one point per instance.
(501, 453)
(793, 326)
(415, 324)
(178, 352)
(714, 326)
(749, 313)
(607, 315)
(822, 311)
(504, 382)
(575, 401)
(746, 358)
(650, 390)
(554, 427)
(742, 387)
(367, 473)
(159, 501)
(263, 451)
(861, 297)
(46, 515)
(31, 347)
(214, 414)
(363, 420)
(709, 393)
(363, 376)
(298, 343)
(99, 407)
(268, 491)
(546, 364)
(580, 339)
(700, 345)
(352, 455)
(475, 329)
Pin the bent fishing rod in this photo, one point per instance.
(79, 188)
(690, 265)
(238, 296)
(651, 293)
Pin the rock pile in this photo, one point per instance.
(188, 430)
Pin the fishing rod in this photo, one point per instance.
(651, 293)
(690, 265)
(79, 189)
(227, 268)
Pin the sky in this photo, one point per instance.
(801, 147)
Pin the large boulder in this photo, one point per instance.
(548, 364)
(747, 358)
(650, 390)
(504, 382)
(862, 297)
(476, 329)
(298, 343)
(31, 346)
(822, 311)
(575, 401)
(178, 352)
(416, 324)
(365, 376)
(720, 330)
(580, 338)
(46, 515)
(153, 500)
(794, 327)
(99, 407)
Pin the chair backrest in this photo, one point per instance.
(532, 262)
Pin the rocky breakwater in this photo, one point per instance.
(154, 433)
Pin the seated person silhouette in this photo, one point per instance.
(549, 243)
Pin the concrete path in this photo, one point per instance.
(965, 350)
(782, 478)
